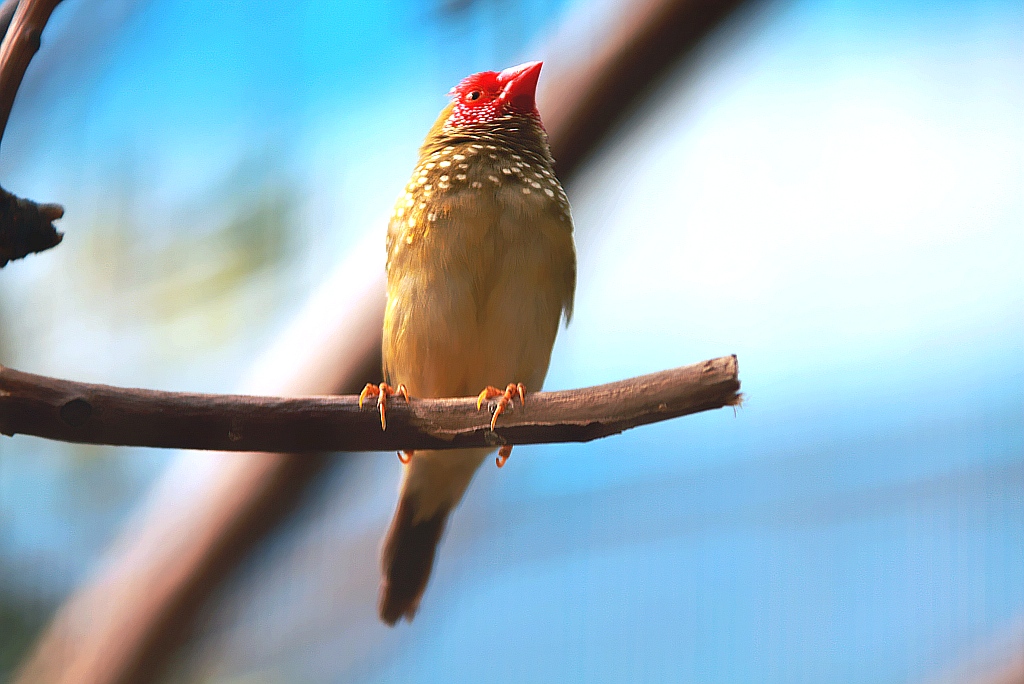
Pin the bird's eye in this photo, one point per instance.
(475, 95)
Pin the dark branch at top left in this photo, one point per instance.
(25, 226)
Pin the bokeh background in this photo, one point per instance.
(832, 190)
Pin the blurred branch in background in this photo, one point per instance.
(123, 624)
(99, 414)
(25, 227)
(649, 38)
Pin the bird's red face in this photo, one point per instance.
(490, 95)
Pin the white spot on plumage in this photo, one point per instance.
(476, 184)
(548, 191)
(422, 180)
(494, 179)
(458, 157)
(526, 191)
(444, 178)
(507, 171)
(445, 164)
(460, 176)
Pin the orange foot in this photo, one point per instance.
(382, 392)
(506, 398)
(503, 454)
(405, 456)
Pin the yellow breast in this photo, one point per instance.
(481, 267)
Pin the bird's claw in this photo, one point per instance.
(382, 392)
(405, 456)
(506, 395)
(489, 392)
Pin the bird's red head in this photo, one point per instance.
(490, 95)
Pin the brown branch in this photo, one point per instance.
(21, 42)
(25, 227)
(100, 414)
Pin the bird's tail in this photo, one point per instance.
(433, 485)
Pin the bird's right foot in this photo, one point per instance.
(504, 398)
(382, 392)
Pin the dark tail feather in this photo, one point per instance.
(407, 559)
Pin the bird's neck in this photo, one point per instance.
(512, 134)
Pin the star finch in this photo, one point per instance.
(481, 267)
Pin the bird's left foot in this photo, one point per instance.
(505, 395)
(382, 392)
(510, 391)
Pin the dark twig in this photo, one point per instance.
(99, 414)
(25, 227)
(20, 44)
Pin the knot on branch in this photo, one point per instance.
(26, 227)
(76, 412)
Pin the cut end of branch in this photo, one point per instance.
(26, 227)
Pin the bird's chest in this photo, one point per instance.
(475, 248)
(471, 211)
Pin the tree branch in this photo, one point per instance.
(100, 414)
(25, 227)
(21, 42)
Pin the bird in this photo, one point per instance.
(481, 270)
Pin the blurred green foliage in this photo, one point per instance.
(196, 274)
(20, 621)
